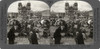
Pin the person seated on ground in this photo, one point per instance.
(33, 37)
(75, 27)
(46, 33)
(79, 37)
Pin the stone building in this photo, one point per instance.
(24, 11)
(71, 12)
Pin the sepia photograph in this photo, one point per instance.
(63, 23)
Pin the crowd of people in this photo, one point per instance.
(75, 29)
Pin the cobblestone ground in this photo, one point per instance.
(48, 41)
(44, 41)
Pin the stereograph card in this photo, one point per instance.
(49, 24)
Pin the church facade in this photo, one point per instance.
(71, 12)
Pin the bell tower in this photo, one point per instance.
(75, 6)
(66, 8)
(28, 6)
(19, 7)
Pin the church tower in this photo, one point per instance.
(28, 6)
(19, 7)
(75, 6)
(66, 8)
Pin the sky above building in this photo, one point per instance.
(60, 6)
(35, 6)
